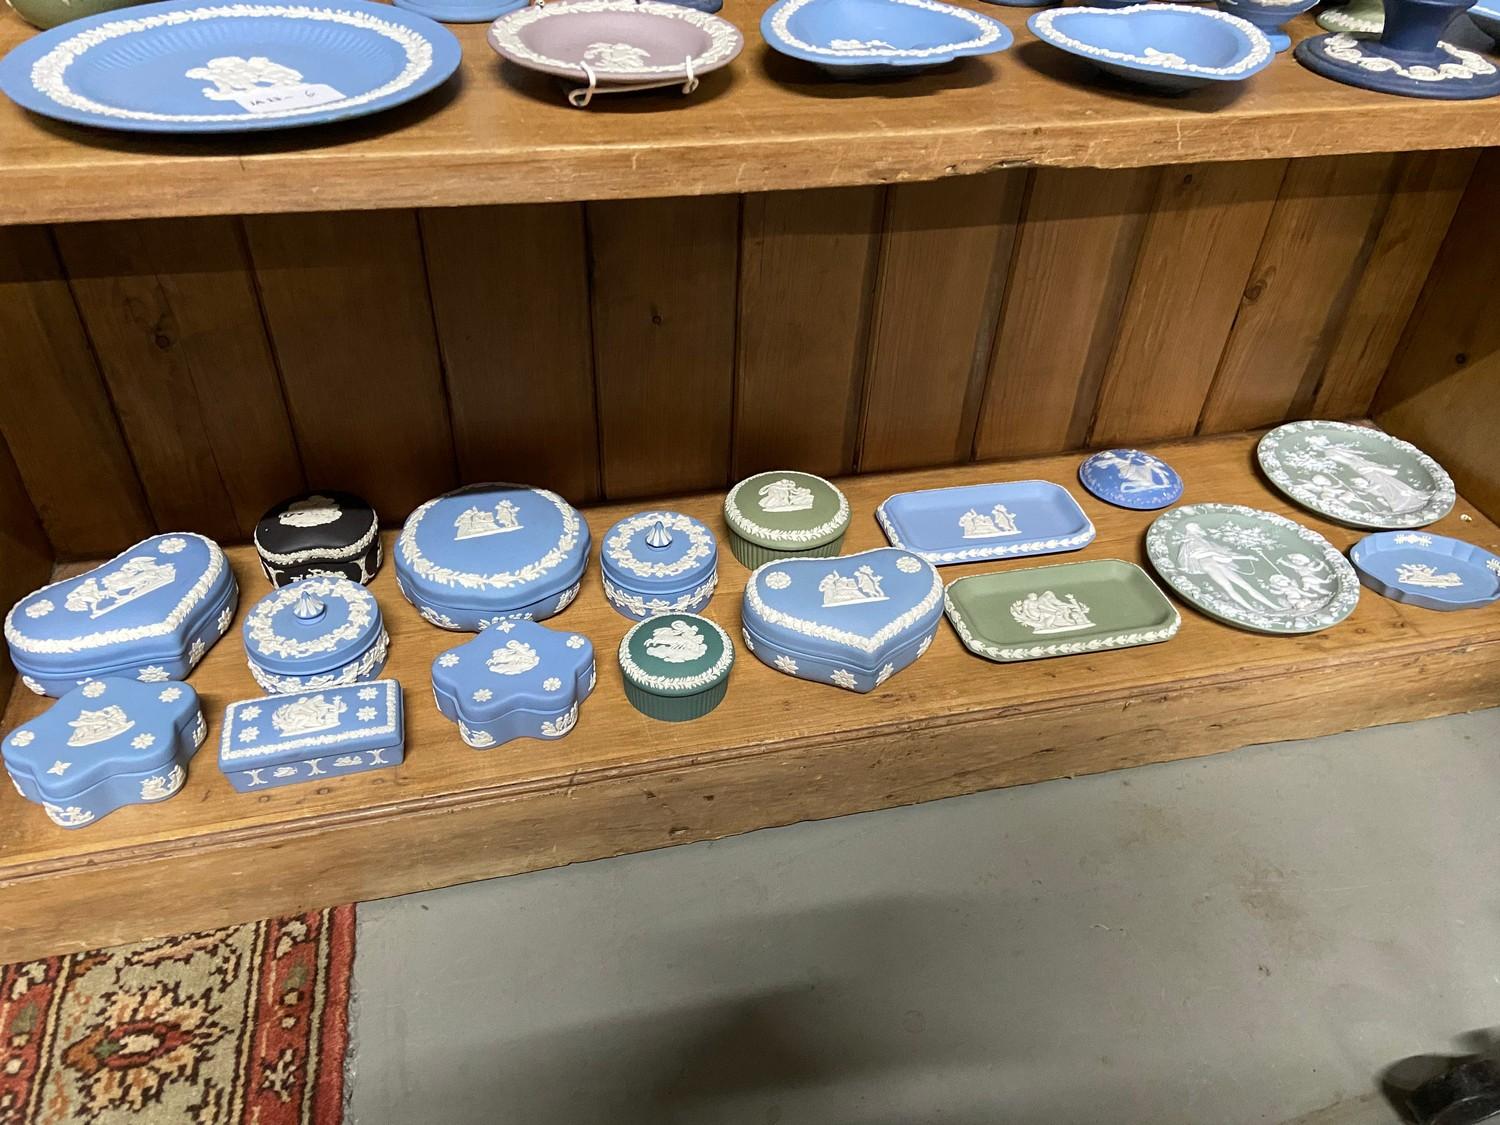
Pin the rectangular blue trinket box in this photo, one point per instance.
(284, 739)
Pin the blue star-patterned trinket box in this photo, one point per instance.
(148, 614)
(108, 743)
(517, 679)
(284, 739)
(853, 621)
(659, 562)
(491, 551)
(315, 633)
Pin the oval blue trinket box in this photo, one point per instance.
(284, 739)
(315, 633)
(148, 614)
(491, 551)
(109, 743)
(659, 562)
(1130, 478)
(517, 679)
(852, 621)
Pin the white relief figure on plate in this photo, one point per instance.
(1231, 556)
(785, 495)
(863, 586)
(308, 715)
(616, 56)
(475, 523)
(1048, 613)
(1421, 574)
(1197, 554)
(1375, 480)
(1000, 521)
(513, 658)
(677, 643)
(93, 727)
(233, 76)
(1138, 472)
(134, 578)
(313, 511)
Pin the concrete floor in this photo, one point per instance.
(1250, 937)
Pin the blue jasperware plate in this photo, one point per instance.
(1131, 478)
(1167, 46)
(852, 37)
(1431, 571)
(974, 522)
(191, 67)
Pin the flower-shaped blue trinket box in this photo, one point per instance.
(852, 621)
(108, 743)
(315, 633)
(284, 739)
(148, 614)
(491, 551)
(659, 562)
(517, 679)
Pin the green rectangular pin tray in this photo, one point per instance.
(1059, 610)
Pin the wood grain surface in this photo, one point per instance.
(496, 134)
(776, 751)
(25, 553)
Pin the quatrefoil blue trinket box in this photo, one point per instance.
(517, 679)
(312, 735)
(315, 633)
(491, 551)
(149, 614)
(108, 743)
(853, 621)
(659, 562)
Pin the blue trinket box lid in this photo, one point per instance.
(652, 559)
(1130, 478)
(514, 666)
(1431, 571)
(106, 729)
(312, 625)
(853, 609)
(281, 730)
(150, 613)
(491, 550)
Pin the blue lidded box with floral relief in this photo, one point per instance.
(284, 739)
(491, 551)
(148, 614)
(108, 743)
(517, 679)
(315, 633)
(659, 562)
(852, 621)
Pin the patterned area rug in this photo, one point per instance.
(246, 1025)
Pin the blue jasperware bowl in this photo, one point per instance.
(854, 38)
(1165, 46)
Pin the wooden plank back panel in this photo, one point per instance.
(25, 553)
(664, 284)
(1205, 229)
(806, 276)
(346, 302)
(1321, 230)
(171, 308)
(510, 296)
(1443, 389)
(944, 260)
(55, 413)
(1426, 189)
(1077, 248)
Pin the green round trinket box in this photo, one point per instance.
(676, 666)
(785, 514)
(50, 13)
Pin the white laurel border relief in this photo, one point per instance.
(228, 752)
(1260, 46)
(642, 678)
(637, 604)
(811, 536)
(989, 32)
(617, 544)
(260, 627)
(353, 672)
(725, 40)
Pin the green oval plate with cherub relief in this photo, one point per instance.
(1253, 569)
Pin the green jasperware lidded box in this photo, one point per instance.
(676, 666)
(785, 514)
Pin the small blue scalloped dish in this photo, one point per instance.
(865, 38)
(1431, 571)
(1169, 47)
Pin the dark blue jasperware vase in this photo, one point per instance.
(1410, 57)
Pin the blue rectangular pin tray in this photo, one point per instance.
(283, 739)
(974, 522)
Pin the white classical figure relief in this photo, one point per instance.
(476, 523)
(513, 658)
(616, 56)
(1242, 564)
(1048, 613)
(94, 727)
(1138, 472)
(40, 608)
(163, 785)
(562, 724)
(70, 817)
(1378, 484)
(864, 585)
(785, 495)
(1000, 522)
(308, 715)
(233, 76)
(284, 771)
(1420, 574)
(312, 511)
(1164, 58)
(349, 760)
(132, 579)
(677, 642)
(478, 739)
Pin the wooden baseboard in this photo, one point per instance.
(778, 751)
